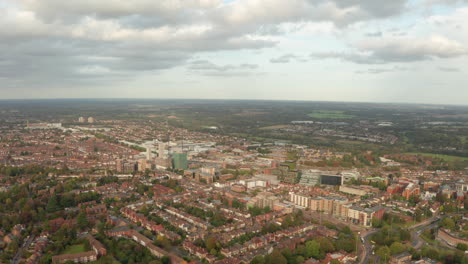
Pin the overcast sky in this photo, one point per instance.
(334, 50)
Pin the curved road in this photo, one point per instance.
(366, 247)
(416, 231)
(416, 241)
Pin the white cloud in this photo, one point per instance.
(46, 41)
(412, 49)
(208, 68)
(448, 69)
(52, 9)
(398, 49)
(93, 70)
(286, 58)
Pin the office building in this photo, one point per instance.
(179, 161)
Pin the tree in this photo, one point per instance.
(258, 260)
(288, 221)
(237, 204)
(312, 249)
(384, 253)
(210, 243)
(448, 208)
(441, 198)
(67, 200)
(300, 259)
(346, 230)
(300, 250)
(165, 260)
(82, 221)
(147, 233)
(100, 227)
(276, 258)
(430, 252)
(397, 248)
(52, 204)
(418, 215)
(448, 223)
(346, 244)
(162, 241)
(414, 199)
(405, 235)
(325, 244)
(462, 247)
(199, 242)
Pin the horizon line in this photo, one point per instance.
(228, 99)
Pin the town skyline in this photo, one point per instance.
(231, 182)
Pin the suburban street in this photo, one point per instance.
(367, 247)
(20, 251)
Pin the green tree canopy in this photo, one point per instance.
(52, 204)
(397, 248)
(312, 249)
(384, 253)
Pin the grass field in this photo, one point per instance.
(351, 142)
(75, 249)
(465, 140)
(100, 261)
(324, 114)
(291, 165)
(274, 127)
(440, 156)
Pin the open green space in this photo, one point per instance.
(330, 114)
(106, 260)
(274, 127)
(75, 249)
(291, 165)
(464, 140)
(447, 158)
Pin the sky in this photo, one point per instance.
(320, 50)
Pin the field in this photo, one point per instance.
(99, 261)
(465, 140)
(330, 114)
(447, 158)
(75, 249)
(292, 165)
(275, 127)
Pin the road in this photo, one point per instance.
(416, 231)
(416, 240)
(367, 249)
(425, 222)
(21, 250)
(364, 248)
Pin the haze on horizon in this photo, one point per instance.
(319, 50)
